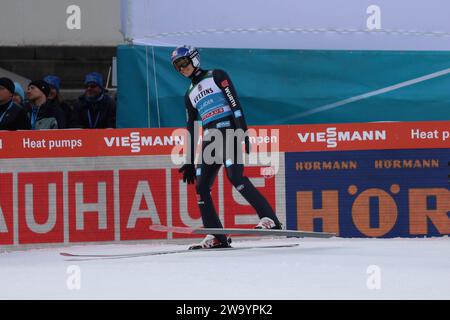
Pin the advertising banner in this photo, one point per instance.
(287, 138)
(358, 180)
(388, 193)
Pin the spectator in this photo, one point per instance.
(41, 115)
(94, 109)
(12, 115)
(55, 100)
(19, 94)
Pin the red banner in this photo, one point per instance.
(292, 138)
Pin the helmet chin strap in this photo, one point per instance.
(196, 72)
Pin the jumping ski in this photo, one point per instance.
(86, 257)
(235, 231)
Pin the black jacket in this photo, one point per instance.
(46, 116)
(93, 115)
(62, 112)
(14, 118)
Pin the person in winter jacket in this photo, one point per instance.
(19, 94)
(12, 115)
(94, 109)
(54, 99)
(40, 114)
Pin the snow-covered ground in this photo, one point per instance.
(316, 269)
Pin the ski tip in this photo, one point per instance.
(66, 254)
(158, 227)
(162, 228)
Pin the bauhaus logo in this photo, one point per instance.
(331, 136)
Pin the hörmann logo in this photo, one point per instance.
(135, 141)
(331, 136)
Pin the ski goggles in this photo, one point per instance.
(182, 63)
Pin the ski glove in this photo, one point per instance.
(188, 171)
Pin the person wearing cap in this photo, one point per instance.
(19, 94)
(40, 114)
(94, 109)
(12, 115)
(55, 101)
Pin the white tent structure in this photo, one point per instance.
(289, 24)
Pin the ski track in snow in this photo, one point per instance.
(333, 268)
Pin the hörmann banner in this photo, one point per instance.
(89, 186)
(387, 193)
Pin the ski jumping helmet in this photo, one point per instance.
(189, 52)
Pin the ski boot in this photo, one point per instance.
(211, 242)
(267, 223)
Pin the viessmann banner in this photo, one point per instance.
(358, 180)
(286, 138)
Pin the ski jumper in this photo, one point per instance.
(212, 98)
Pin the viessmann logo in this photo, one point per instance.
(331, 136)
(135, 141)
